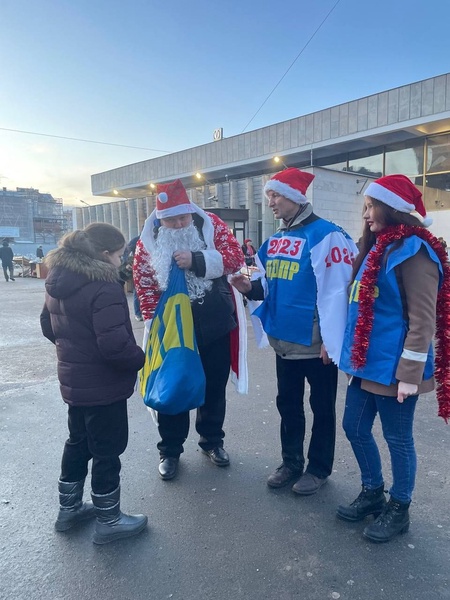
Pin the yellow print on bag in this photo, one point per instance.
(354, 292)
(278, 268)
(179, 331)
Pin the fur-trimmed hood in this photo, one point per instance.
(69, 270)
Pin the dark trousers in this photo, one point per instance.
(136, 305)
(10, 267)
(174, 429)
(291, 375)
(100, 433)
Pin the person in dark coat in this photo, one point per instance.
(86, 316)
(6, 256)
(40, 252)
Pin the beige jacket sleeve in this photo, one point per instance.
(420, 277)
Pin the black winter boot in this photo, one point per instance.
(112, 524)
(72, 509)
(369, 502)
(393, 520)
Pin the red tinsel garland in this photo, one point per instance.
(364, 322)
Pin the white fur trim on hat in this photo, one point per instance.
(379, 192)
(285, 190)
(174, 211)
(148, 238)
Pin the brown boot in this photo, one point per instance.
(308, 484)
(282, 476)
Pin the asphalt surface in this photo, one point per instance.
(214, 533)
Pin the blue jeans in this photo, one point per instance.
(397, 420)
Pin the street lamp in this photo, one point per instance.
(83, 202)
(278, 159)
(201, 177)
(117, 193)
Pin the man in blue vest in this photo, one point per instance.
(307, 266)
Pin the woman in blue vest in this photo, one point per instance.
(399, 278)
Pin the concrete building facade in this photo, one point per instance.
(403, 130)
(29, 218)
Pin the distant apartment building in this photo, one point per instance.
(29, 216)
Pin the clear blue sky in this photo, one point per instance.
(163, 74)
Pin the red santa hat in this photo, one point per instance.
(399, 193)
(172, 200)
(290, 183)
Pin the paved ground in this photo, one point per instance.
(214, 533)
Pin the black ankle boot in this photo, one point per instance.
(72, 509)
(393, 520)
(369, 502)
(112, 524)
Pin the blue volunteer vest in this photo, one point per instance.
(287, 312)
(389, 326)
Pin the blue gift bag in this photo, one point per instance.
(172, 380)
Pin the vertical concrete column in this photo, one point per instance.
(234, 196)
(205, 196)
(107, 213)
(115, 216)
(87, 216)
(269, 224)
(142, 213)
(150, 204)
(86, 219)
(77, 219)
(219, 195)
(100, 216)
(133, 228)
(252, 224)
(123, 217)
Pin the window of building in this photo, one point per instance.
(438, 154)
(437, 192)
(405, 158)
(366, 162)
(338, 162)
(437, 177)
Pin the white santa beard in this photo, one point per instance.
(168, 241)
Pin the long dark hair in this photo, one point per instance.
(94, 240)
(389, 216)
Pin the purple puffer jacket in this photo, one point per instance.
(86, 315)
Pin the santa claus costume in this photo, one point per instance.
(201, 244)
